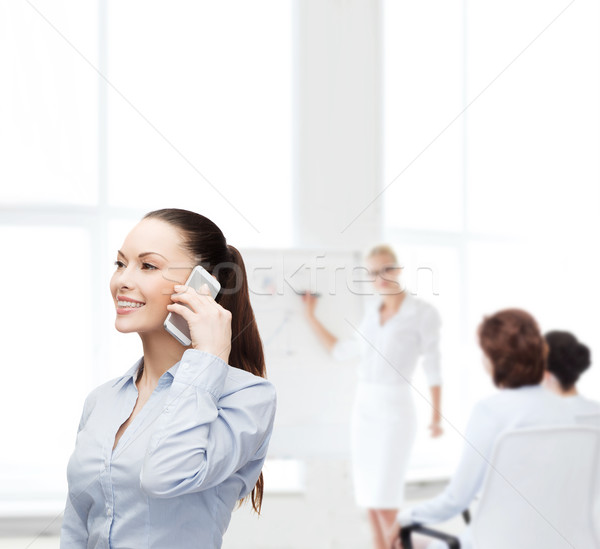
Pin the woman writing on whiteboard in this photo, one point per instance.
(395, 332)
(164, 452)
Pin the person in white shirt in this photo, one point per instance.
(567, 360)
(397, 330)
(514, 354)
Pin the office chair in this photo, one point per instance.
(540, 490)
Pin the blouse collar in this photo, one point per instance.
(132, 373)
(129, 374)
(406, 304)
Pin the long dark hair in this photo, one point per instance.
(208, 246)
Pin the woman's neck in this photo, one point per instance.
(392, 302)
(550, 382)
(161, 352)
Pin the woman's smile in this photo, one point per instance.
(126, 305)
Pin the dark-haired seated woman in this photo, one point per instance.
(514, 354)
(568, 358)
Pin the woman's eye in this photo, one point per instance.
(147, 266)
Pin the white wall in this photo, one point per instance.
(337, 123)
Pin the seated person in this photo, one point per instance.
(567, 360)
(514, 354)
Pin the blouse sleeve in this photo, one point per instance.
(205, 434)
(467, 480)
(430, 326)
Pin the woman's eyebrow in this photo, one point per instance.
(119, 252)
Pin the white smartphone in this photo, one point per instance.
(175, 324)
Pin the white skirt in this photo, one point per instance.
(383, 434)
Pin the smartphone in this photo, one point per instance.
(175, 324)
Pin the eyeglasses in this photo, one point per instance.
(384, 270)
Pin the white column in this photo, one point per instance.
(338, 123)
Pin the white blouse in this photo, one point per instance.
(508, 409)
(390, 353)
(582, 406)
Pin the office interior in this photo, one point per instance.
(463, 134)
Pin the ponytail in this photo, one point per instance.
(246, 344)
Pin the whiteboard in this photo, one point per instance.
(314, 392)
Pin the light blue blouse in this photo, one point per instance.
(195, 448)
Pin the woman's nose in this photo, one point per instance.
(125, 278)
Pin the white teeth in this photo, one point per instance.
(129, 304)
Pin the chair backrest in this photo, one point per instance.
(540, 490)
(589, 419)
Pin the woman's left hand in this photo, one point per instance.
(209, 323)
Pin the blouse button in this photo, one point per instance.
(108, 512)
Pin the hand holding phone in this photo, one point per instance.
(178, 326)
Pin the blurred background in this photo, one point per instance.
(465, 134)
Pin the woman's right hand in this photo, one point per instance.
(310, 302)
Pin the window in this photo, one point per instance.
(211, 127)
(48, 104)
(184, 116)
(501, 201)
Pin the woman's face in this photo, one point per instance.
(151, 262)
(384, 273)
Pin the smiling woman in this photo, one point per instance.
(183, 434)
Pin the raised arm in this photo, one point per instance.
(327, 339)
(340, 349)
(216, 420)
